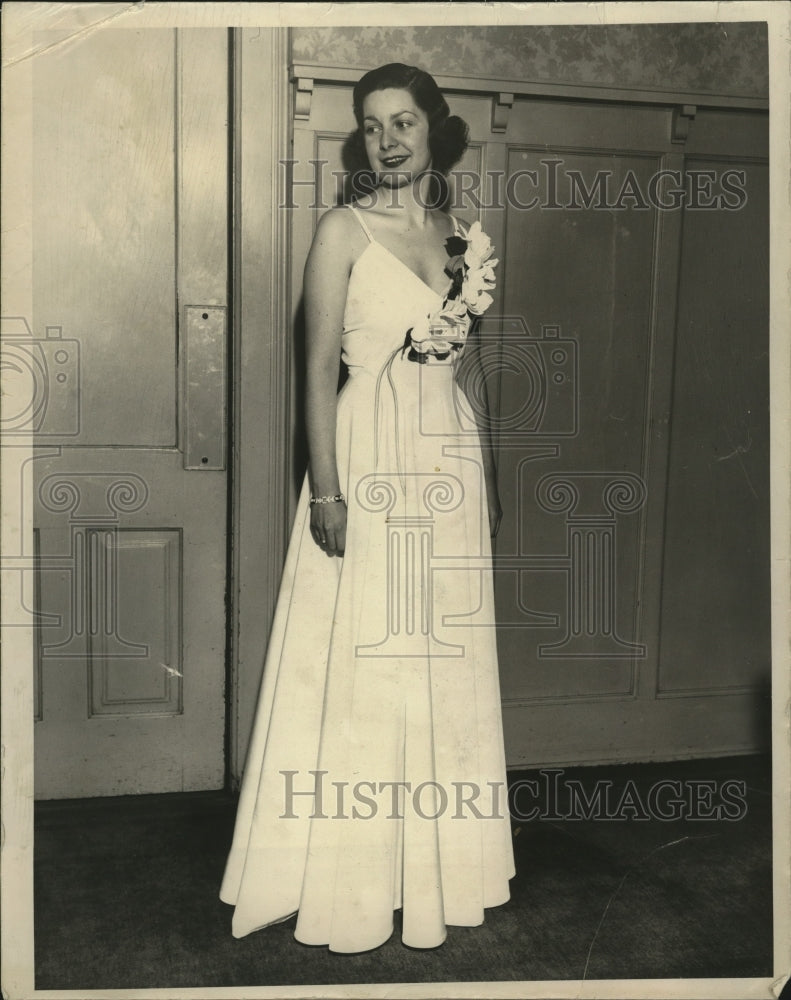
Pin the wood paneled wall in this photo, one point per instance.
(633, 562)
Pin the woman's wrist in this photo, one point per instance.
(324, 489)
(324, 480)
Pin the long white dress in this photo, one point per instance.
(382, 667)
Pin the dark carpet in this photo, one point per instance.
(126, 894)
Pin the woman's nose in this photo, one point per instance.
(386, 140)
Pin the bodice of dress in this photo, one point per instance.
(385, 298)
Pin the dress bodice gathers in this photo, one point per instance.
(385, 299)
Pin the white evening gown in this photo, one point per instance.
(382, 667)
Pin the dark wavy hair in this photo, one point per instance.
(448, 135)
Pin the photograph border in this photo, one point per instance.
(19, 21)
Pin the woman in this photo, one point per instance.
(375, 779)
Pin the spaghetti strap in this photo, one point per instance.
(457, 228)
(361, 220)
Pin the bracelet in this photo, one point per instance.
(338, 498)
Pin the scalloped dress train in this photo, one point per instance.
(375, 778)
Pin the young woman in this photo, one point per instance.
(375, 779)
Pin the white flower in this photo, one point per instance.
(477, 283)
(455, 308)
(449, 326)
(479, 271)
(474, 284)
(479, 246)
(488, 269)
(483, 303)
(421, 331)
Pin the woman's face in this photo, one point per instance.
(395, 130)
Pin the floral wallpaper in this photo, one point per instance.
(723, 58)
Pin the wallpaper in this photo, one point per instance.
(725, 58)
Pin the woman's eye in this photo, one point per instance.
(371, 129)
(403, 124)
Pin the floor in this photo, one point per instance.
(126, 892)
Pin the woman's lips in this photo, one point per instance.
(394, 161)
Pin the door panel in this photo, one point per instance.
(717, 547)
(129, 488)
(585, 318)
(104, 226)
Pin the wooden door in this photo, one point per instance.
(612, 647)
(633, 587)
(129, 331)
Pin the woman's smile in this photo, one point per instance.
(396, 132)
(391, 162)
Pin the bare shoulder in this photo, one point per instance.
(337, 229)
(335, 246)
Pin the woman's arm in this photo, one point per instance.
(326, 280)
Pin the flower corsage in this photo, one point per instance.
(471, 270)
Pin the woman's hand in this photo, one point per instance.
(328, 526)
